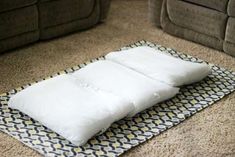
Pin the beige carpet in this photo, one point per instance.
(208, 133)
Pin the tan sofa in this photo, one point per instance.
(208, 22)
(26, 21)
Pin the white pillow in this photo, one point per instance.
(74, 110)
(160, 66)
(142, 91)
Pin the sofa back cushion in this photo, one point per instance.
(6, 5)
(18, 21)
(197, 18)
(220, 5)
(59, 12)
(231, 8)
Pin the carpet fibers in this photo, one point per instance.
(208, 133)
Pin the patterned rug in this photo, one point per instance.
(126, 133)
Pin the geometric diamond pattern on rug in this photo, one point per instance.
(125, 133)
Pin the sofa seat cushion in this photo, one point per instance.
(104, 8)
(220, 5)
(6, 5)
(229, 48)
(19, 40)
(229, 41)
(59, 12)
(197, 18)
(231, 8)
(19, 21)
(230, 30)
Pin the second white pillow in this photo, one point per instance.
(142, 91)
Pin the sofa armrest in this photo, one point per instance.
(104, 9)
(155, 7)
